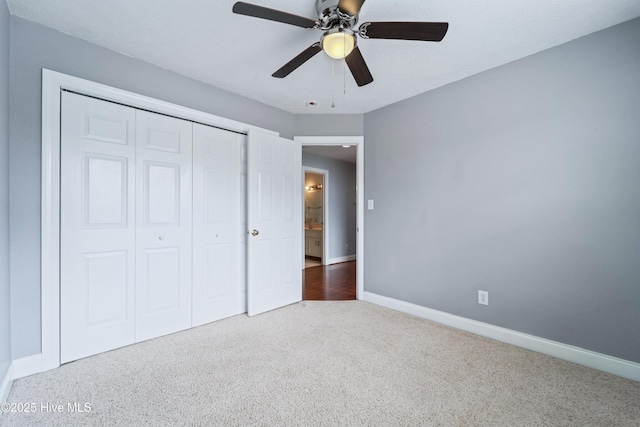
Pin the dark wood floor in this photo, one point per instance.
(334, 282)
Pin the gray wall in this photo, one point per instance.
(5, 325)
(329, 125)
(33, 47)
(523, 181)
(342, 208)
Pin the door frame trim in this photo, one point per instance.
(52, 84)
(326, 223)
(358, 141)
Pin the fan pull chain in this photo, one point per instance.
(333, 75)
(344, 77)
(344, 68)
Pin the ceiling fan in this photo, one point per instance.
(337, 19)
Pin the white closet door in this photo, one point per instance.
(97, 230)
(275, 222)
(241, 227)
(217, 193)
(163, 232)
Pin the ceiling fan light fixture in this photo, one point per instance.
(338, 44)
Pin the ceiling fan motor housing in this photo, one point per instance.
(330, 17)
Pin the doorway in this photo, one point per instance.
(335, 159)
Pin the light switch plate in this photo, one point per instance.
(370, 204)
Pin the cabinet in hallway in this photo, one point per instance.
(313, 243)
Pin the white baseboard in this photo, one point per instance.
(341, 259)
(29, 365)
(5, 384)
(591, 359)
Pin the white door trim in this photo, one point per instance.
(325, 212)
(358, 141)
(52, 84)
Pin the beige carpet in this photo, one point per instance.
(327, 363)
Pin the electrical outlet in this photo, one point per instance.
(346, 246)
(483, 297)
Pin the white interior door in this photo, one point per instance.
(164, 224)
(275, 222)
(97, 227)
(218, 285)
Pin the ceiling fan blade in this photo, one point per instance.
(358, 67)
(352, 7)
(256, 11)
(303, 57)
(425, 31)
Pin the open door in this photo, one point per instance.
(274, 222)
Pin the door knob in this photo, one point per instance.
(254, 232)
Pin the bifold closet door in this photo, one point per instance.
(163, 225)
(97, 228)
(219, 289)
(126, 227)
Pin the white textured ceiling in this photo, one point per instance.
(204, 40)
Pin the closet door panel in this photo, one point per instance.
(97, 227)
(241, 229)
(218, 287)
(164, 225)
